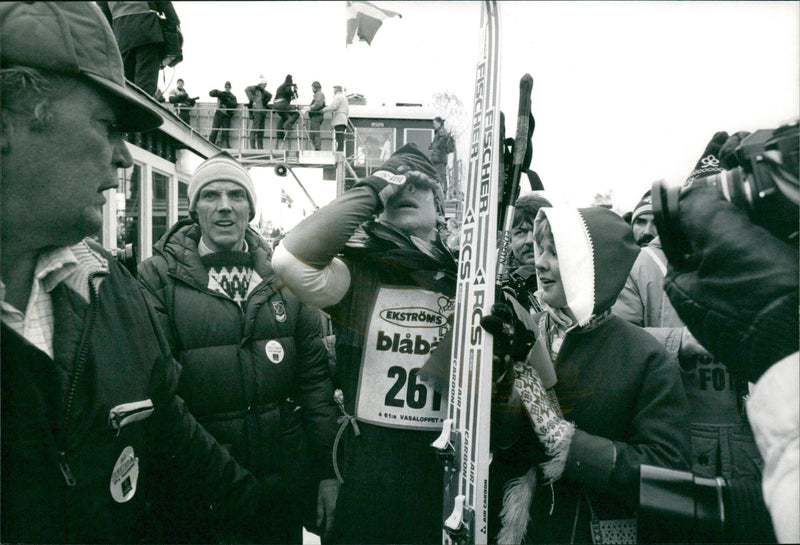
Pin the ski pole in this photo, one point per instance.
(520, 147)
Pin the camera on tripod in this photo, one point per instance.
(763, 182)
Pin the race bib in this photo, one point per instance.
(404, 327)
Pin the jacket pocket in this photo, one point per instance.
(705, 451)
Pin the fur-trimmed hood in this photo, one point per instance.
(595, 251)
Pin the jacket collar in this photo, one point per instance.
(180, 248)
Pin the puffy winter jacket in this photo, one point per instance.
(256, 378)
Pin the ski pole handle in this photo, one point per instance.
(520, 147)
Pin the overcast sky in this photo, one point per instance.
(624, 92)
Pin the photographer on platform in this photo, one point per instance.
(259, 99)
(221, 126)
(284, 95)
(182, 101)
(732, 247)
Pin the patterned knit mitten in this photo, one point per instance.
(554, 433)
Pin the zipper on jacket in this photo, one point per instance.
(83, 354)
(127, 413)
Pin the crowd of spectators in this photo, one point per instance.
(197, 402)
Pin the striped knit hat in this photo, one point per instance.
(644, 206)
(221, 168)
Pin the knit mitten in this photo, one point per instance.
(554, 433)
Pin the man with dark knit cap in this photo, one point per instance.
(642, 222)
(221, 125)
(89, 410)
(388, 285)
(255, 370)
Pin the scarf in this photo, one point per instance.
(430, 264)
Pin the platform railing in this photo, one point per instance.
(241, 137)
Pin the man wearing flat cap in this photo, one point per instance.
(388, 286)
(255, 370)
(89, 409)
(341, 109)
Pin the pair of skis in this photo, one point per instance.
(463, 445)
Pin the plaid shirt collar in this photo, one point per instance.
(70, 265)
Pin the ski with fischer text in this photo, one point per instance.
(464, 442)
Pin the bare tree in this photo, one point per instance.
(604, 199)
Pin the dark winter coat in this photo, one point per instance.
(441, 146)
(615, 383)
(286, 91)
(48, 434)
(226, 101)
(276, 418)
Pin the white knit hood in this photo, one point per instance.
(595, 251)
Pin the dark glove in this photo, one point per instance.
(708, 163)
(407, 164)
(727, 153)
(512, 342)
(739, 293)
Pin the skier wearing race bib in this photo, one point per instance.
(388, 286)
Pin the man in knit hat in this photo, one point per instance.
(642, 222)
(254, 365)
(89, 411)
(388, 285)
